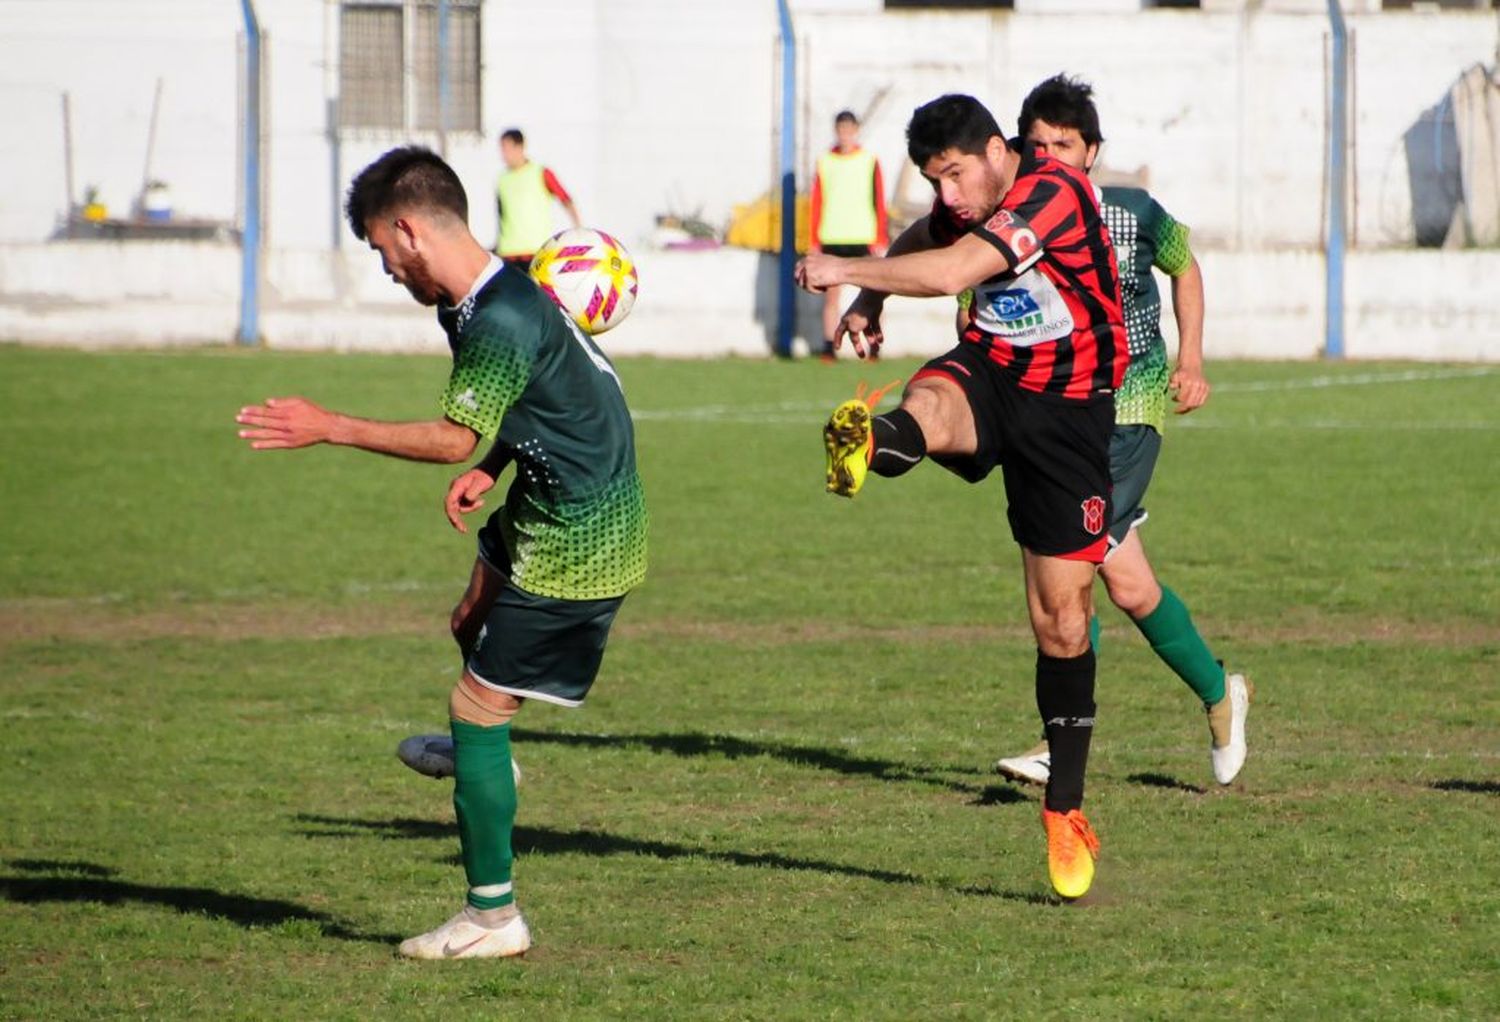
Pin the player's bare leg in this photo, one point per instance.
(1165, 622)
(432, 755)
(1059, 600)
(485, 584)
(934, 418)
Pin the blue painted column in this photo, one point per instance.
(249, 332)
(1338, 138)
(786, 295)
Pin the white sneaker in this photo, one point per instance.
(1034, 766)
(1226, 725)
(461, 937)
(432, 755)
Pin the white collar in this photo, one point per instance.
(491, 268)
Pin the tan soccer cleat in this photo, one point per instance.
(462, 937)
(1226, 724)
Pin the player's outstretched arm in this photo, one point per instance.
(287, 423)
(921, 274)
(1189, 386)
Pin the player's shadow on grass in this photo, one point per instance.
(1151, 780)
(547, 841)
(88, 882)
(1476, 787)
(694, 743)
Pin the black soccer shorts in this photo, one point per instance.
(1053, 452)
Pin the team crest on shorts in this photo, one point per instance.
(1093, 515)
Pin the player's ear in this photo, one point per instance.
(1089, 156)
(994, 150)
(405, 231)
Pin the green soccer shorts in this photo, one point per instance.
(1133, 451)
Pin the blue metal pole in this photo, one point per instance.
(443, 84)
(786, 303)
(1338, 134)
(250, 236)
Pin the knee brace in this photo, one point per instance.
(473, 703)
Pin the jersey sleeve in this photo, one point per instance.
(1014, 237)
(553, 185)
(815, 212)
(1173, 256)
(489, 374)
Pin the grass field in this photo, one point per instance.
(777, 803)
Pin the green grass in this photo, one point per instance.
(777, 801)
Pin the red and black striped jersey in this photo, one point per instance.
(1053, 320)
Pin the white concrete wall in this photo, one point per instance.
(1429, 305)
(652, 106)
(668, 106)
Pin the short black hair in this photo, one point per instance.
(844, 116)
(953, 121)
(513, 135)
(409, 178)
(1064, 102)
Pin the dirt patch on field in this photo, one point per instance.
(23, 621)
(60, 620)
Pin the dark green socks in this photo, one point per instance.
(484, 798)
(1170, 630)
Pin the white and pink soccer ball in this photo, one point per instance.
(589, 274)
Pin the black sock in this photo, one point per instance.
(1065, 698)
(899, 444)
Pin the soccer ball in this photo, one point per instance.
(589, 274)
(433, 755)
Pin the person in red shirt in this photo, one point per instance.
(846, 211)
(524, 194)
(1029, 387)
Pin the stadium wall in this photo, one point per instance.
(646, 107)
(1428, 305)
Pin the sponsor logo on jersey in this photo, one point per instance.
(1016, 308)
(1093, 515)
(468, 400)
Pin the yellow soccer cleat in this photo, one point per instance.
(1072, 848)
(846, 438)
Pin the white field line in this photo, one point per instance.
(1356, 380)
(790, 412)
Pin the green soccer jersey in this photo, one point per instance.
(574, 521)
(1144, 235)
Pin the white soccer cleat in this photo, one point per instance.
(432, 756)
(1034, 766)
(1226, 723)
(461, 937)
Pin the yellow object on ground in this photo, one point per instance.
(757, 224)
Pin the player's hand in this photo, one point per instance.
(284, 423)
(1189, 387)
(464, 496)
(818, 272)
(861, 324)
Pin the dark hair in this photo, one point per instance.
(844, 116)
(409, 178)
(1064, 102)
(513, 135)
(950, 122)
